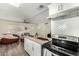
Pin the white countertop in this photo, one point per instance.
(37, 40)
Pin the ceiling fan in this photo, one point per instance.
(24, 21)
(27, 22)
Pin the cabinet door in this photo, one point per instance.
(28, 46)
(37, 49)
(25, 44)
(47, 52)
(33, 48)
(57, 7)
(67, 6)
(53, 8)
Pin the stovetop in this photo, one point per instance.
(62, 50)
(59, 50)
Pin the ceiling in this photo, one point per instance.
(33, 13)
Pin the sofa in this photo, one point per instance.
(9, 39)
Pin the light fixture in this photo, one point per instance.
(40, 7)
(15, 4)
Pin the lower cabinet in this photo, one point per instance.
(32, 48)
(46, 52)
(37, 49)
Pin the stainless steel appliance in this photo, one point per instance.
(65, 47)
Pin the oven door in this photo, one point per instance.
(53, 54)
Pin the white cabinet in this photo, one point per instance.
(32, 48)
(28, 46)
(66, 6)
(46, 52)
(58, 7)
(37, 49)
(53, 8)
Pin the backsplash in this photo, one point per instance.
(66, 37)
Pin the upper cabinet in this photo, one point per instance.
(59, 7)
(53, 8)
(66, 6)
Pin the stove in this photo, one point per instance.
(66, 47)
(62, 50)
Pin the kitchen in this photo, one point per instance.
(45, 29)
(63, 38)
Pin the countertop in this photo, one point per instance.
(48, 46)
(41, 42)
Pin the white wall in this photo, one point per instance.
(16, 27)
(31, 28)
(10, 27)
(43, 29)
